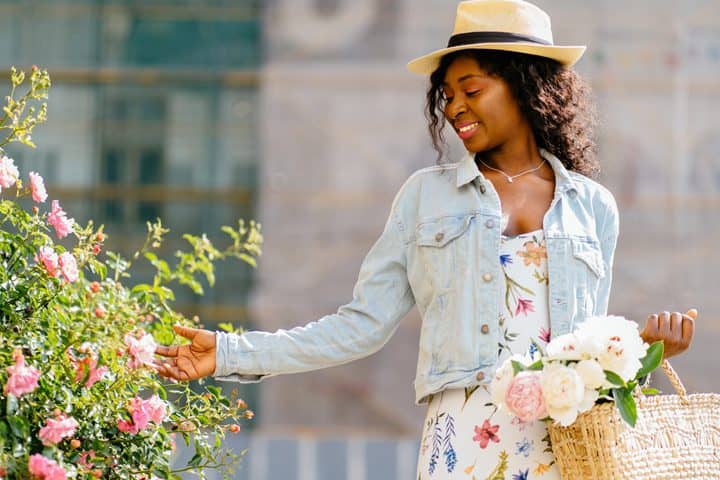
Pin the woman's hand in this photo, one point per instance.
(188, 362)
(674, 329)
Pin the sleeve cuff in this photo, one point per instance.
(229, 353)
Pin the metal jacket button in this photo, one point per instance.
(485, 328)
(480, 376)
(490, 223)
(487, 277)
(439, 237)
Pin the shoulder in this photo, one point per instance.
(428, 178)
(598, 195)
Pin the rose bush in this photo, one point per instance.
(80, 398)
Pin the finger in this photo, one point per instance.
(692, 313)
(172, 372)
(186, 332)
(170, 351)
(688, 328)
(676, 321)
(664, 324)
(651, 325)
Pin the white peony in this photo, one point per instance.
(589, 399)
(564, 347)
(615, 342)
(564, 392)
(591, 373)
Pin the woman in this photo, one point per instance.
(515, 242)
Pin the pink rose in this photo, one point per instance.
(524, 397)
(141, 350)
(48, 257)
(37, 187)
(142, 413)
(95, 376)
(139, 413)
(58, 219)
(127, 427)
(156, 408)
(8, 172)
(43, 468)
(56, 429)
(22, 379)
(68, 266)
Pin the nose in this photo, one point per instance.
(456, 107)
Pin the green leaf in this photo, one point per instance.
(650, 391)
(517, 367)
(226, 327)
(626, 405)
(652, 359)
(19, 426)
(614, 378)
(537, 365)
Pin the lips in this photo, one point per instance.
(466, 130)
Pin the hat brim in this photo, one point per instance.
(566, 55)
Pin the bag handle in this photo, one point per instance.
(674, 378)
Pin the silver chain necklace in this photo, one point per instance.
(510, 177)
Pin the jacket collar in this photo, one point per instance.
(467, 171)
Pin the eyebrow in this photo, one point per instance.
(466, 77)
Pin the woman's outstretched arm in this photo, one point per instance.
(381, 297)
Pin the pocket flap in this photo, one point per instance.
(591, 255)
(440, 232)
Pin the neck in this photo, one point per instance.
(513, 157)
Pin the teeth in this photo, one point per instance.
(467, 128)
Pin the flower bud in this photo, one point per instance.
(95, 287)
(75, 443)
(234, 428)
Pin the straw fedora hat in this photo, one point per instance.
(510, 25)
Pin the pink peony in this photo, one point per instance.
(524, 397)
(56, 429)
(68, 266)
(142, 350)
(37, 187)
(58, 219)
(22, 379)
(48, 257)
(43, 468)
(8, 172)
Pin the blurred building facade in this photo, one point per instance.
(300, 113)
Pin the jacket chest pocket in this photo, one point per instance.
(589, 268)
(442, 246)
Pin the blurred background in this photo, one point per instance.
(300, 114)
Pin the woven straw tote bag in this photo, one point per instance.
(676, 437)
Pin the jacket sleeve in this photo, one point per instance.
(608, 234)
(381, 298)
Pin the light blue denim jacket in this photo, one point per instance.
(440, 250)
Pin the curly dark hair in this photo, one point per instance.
(554, 99)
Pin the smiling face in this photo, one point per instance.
(481, 108)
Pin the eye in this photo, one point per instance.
(473, 93)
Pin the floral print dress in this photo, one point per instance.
(465, 436)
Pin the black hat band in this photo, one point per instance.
(493, 37)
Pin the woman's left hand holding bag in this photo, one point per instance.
(674, 329)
